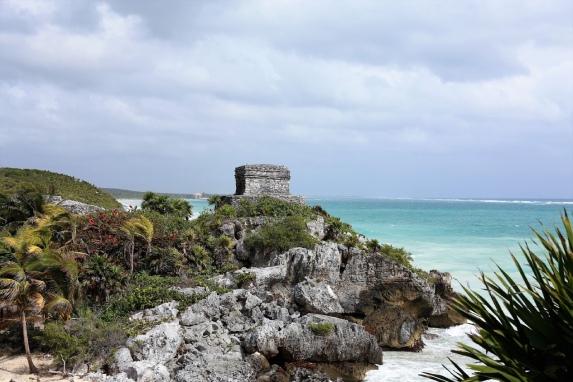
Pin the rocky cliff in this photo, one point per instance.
(302, 315)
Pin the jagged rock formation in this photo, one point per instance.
(390, 300)
(239, 336)
(73, 206)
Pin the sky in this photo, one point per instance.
(440, 99)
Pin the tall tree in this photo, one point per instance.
(137, 228)
(36, 280)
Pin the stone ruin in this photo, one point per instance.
(256, 180)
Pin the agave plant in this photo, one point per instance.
(525, 325)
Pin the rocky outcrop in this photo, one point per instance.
(442, 314)
(73, 206)
(305, 314)
(244, 335)
(392, 301)
(316, 297)
(337, 343)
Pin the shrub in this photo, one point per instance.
(164, 261)
(244, 278)
(167, 229)
(373, 245)
(215, 201)
(99, 233)
(200, 258)
(273, 207)
(321, 328)
(102, 278)
(525, 325)
(226, 212)
(64, 346)
(88, 339)
(11, 336)
(336, 229)
(166, 205)
(281, 235)
(146, 292)
(399, 255)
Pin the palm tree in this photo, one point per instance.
(156, 202)
(526, 325)
(181, 207)
(137, 227)
(34, 281)
(17, 208)
(166, 205)
(60, 221)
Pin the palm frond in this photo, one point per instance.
(525, 325)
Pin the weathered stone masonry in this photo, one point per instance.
(256, 180)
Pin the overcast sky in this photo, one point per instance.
(371, 98)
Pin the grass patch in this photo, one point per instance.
(321, 328)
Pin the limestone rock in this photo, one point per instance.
(164, 312)
(145, 371)
(316, 297)
(265, 340)
(123, 358)
(442, 315)
(394, 327)
(317, 228)
(158, 345)
(73, 206)
(347, 342)
(297, 342)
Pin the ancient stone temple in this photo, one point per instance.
(265, 179)
(256, 180)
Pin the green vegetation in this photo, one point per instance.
(281, 235)
(13, 180)
(166, 205)
(101, 268)
(145, 292)
(245, 278)
(272, 207)
(525, 325)
(321, 328)
(399, 255)
(17, 208)
(84, 339)
(39, 280)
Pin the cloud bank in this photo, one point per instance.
(386, 99)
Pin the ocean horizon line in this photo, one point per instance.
(438, 199)
(545, 201)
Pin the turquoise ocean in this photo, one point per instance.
(460, 236)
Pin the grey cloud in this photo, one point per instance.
(426, 93)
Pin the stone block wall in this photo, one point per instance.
(262, 179)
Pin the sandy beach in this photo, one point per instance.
(15, 368)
